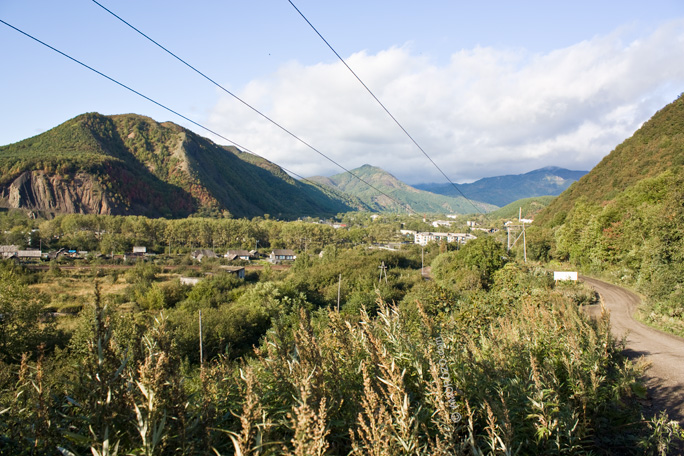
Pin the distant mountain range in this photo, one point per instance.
(402, 195)
(503, 190)
(130, 164)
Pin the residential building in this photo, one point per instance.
(282, 255)
(200, 254)
(425, 237)
(238, 255)
(8, 251)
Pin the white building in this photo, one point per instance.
(425, 237)
(438, 223)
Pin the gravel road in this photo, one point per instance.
(665, 376)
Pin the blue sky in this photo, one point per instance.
(486, 88)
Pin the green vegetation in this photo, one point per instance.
(530, 208)
(624, 219)
(490, 357)
(508, 365)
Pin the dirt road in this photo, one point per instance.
(665, 377)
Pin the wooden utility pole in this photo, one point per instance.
(523, 235)
(339, 288)
(200, 338)
(383, 268)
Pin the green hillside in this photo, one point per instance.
(402, 194)
(130, 164)
(625, 219)
(530, 208)
(656, 147)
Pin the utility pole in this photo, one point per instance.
(422, 260)
(339, 288)
(383, 268)
(523, 235)
(200, 339)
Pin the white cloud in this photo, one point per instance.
(487, 112)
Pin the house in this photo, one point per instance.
(238, 255)
(438, 223)
(200, 254)
(238, 271)
(139, 249)
(8, 251)
(282, 255)
(29, 254)
(425, 237)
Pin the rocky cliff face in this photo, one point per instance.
(38, 191)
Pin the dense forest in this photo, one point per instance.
(478, 354)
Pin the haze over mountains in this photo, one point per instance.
(503, 190)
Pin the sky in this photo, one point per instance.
(485, 88)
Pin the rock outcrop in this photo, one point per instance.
(38, 191)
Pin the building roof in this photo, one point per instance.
(283, 252)
(238, 252)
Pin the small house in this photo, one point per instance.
(200, 254)
(29, 254)
(8, 251)
(238, 255)
(278, 255)
(237, 271)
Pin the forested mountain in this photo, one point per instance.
(417, 200)
(130, 164)
(503, 190)
(626, 217)
(656, 147)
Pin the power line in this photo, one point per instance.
(181, 115)
(383, 106)
(246, 104)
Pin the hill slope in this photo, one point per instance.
(530, 208)
(130, 164)
(503, 190)
(625, 219)
(656, 147)
(418, 200)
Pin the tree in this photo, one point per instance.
(20, 315)
(471, 267)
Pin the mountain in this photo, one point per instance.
(502, 190)
(625, 219)
(402, 194)
(131, 164)
(656, 147)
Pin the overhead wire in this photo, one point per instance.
(247, 104)
(383, 106)
(239, 146)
